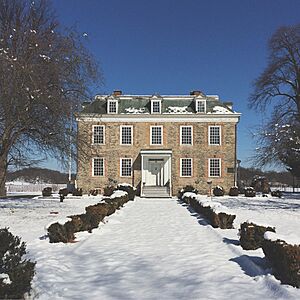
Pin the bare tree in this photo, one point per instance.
(277, 89)
(45, 72)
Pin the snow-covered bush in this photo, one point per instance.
(108, 190)
(250, 192)
(61, 232)
(15, 273)
(234, 191)
(131, 191)
(47, 191)
(284, 258)
(276, 193)
(218, 191)
(252, 235)
(186, 189)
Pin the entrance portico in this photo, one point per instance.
(156, 169)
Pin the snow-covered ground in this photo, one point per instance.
(150, 249)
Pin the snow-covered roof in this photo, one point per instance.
(170, 104)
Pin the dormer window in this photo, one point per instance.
(112, 106)
(201, 106)
(155, 106)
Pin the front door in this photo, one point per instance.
(156, 173)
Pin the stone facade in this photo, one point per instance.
(200, 151)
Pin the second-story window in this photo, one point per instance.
(155, 106)
(200, 106)
(98, 135)
(214, 135)
(156, 135)
(186, 135)
(112, 106)
(126, 135)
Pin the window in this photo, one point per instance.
(98, 166)
(155, 106)
(186, 135)
(214, 137)
(200, 106)
(214, 167)
(98, 134)
(126, 165)
(112, 106)
(156, 135)
(126, 135)
(186, 167)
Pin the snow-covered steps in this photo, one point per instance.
(156, 192)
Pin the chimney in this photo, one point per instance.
(229, 105)
(195, 93)
(117, 93)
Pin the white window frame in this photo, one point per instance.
(131, 128)
(108, 106)
(220, 167)
(181, 127)
(127, 158)
(156, 100)
(209, 135)
(181, 159)
(93, 136)
(93, 166)
(162, 134)
(197, 103)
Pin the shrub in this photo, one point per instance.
(218, 191)
(187, 188)
(276, 193)
(47, 191)
(250, 192)
(61, 233)
(129, 189)
(234, 191)
(93, 192)
(285, 261)
(64, 192)
(16, 273)
(108, 190)
(252, 235)
(77, 192)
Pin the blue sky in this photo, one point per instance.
(173, 47)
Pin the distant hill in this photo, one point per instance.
(35, 175)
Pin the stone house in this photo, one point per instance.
(159, 144)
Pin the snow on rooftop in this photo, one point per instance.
(220, 110)
(132, 110)
(177, 110)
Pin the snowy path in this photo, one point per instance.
(151, 249)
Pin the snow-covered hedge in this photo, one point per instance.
(86, 222)
(284, 258)
(252, 235)
(131, 191)
(217, 214)
(15, 273)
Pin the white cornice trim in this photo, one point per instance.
(225, 118)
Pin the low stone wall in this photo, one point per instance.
(252, 235)
(285, 260)
(211, 210)
(86, 222)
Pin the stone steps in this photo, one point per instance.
(156, 192)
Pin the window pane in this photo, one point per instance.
(126, 138)
(98, 167)
(186, 135)
(112, 106)
(214, 135)
(200, 106)
(214, 167)
(126, 167)
(156, 135)
(98, 137)
(186, 167)
(156, 106)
